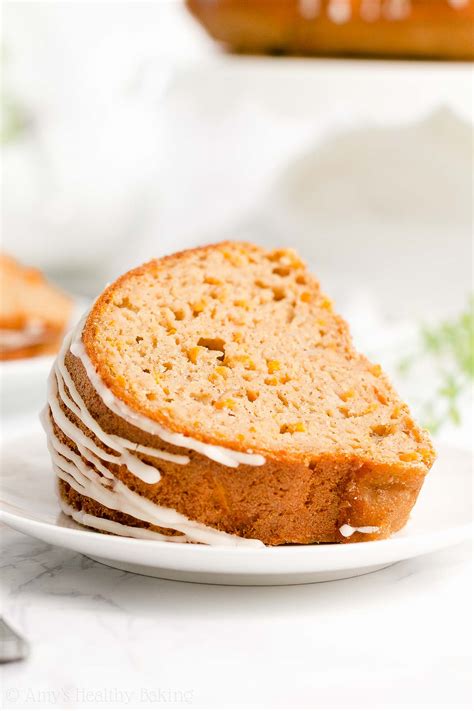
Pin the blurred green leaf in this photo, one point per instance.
(15, 120)
(450, 346)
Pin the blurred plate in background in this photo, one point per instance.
(23, 380)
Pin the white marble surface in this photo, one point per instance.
(102, 638)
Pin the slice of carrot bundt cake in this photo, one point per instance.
(33, 314)
(214, 396)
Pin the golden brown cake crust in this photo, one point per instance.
(414, 28)
(302, 493)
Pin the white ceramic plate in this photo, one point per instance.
(442, 517)
(23, 384)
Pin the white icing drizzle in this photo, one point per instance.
(113, 494)
(221, 455)
(309, 9)
(118, 529)
(397, 9)
(339, 11)
(32, 334)
(147, 473)
(347, 530)
(75, 403)
(80, 410)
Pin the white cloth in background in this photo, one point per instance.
(146, 139)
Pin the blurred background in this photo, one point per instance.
(129, 132)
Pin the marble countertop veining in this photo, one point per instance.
(103, 638)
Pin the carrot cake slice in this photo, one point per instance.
(33, 314)
(214, 396)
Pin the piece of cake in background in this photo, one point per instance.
(439, 29)
(215, 396)
(33, 313)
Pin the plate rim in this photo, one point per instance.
(288, 559)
